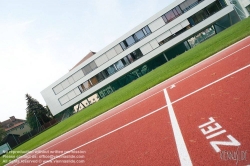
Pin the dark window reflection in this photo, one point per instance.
(130, 40)
(139, 35)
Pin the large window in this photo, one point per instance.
(213, 8)
(172, 14)
(93, 65)
(189, 4)
(202, 36)
(125, 61)
(130, 40)
(131, 58)
(222, 3)
(86, 69)
(135, 37)
(119, 65)
(139, 35)
(198, 17)
(124, 45)
(86, 85)
(146, 30)
(94, 80)
(111, 70)
(137, 54)
(105, 73)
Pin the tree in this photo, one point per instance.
(2, 133)
(36, 113)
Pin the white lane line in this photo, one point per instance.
(146, 92)
(206, 66)
(180, 143)
(26, 158)
(119, 128)
(222, 78)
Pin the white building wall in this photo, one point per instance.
(52, 100)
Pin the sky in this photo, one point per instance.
(41, 40)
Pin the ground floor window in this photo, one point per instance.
(202, 36)
(248, 8)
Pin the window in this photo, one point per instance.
(165, 19)
(202, 36)
(148, 31)
(125, 61)
(139, 35)
(100, 77)
(86, 69)
(178, 9)
(86, 85)
(130, 40)
(189, 4)
(131, 58)
(111, 70)
(105, 73)
(213, 8)
(248, 8)
(124, 45)
(198, 17)
(119, 65)
(170, 15)
(175, 12)
(80, 88)
(94, 80)
(137, 54)
(93, 65)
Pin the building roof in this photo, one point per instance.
(11, 123)
(90, 54)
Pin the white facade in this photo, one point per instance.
(65, 92)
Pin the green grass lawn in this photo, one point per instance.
(173, 67)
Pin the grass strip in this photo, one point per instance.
(173, 67)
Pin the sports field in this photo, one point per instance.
(147, 119)
(197, 117)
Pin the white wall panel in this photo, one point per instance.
(176, 28)
(153, 26)
(71, 95)
(101, 60)
(118, 49)
(78, 75)
(71, 80)
(64, 99)
(65, 84)
(146, 49)
(58, 89)
(154, 44)
(185, 23)
(77, 91)
(163, 36)
(111, 53)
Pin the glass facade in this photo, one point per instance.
(166, 56)
(139, 35)
(172, 14)
(189, 4)
(130, 41)
(169, 16)
(119, 65)
(202, 36)
(248, 8)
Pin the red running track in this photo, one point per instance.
(199, 117)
